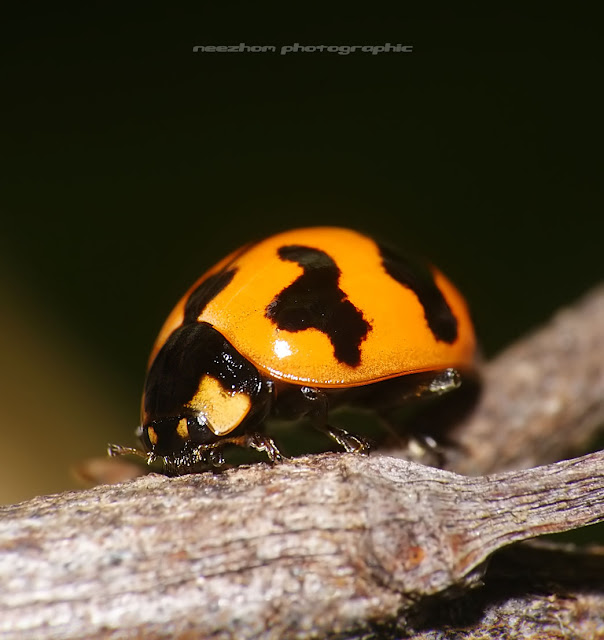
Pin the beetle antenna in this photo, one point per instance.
(114, 450)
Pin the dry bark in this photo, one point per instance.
(340, 544)
(543, 397)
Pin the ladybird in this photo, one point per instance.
(292, 326)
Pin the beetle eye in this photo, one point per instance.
(199, 431)
(147, 436)
(161, 436)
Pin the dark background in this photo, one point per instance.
(131, 164)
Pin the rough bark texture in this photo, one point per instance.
(258, 549)
(543, 398)
(341, 545)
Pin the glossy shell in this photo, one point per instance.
(329, 307)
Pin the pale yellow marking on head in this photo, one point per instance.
(152, 435)
(182, 429)
(223, 410)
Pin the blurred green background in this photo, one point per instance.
(131, 164)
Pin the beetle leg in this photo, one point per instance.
(258, 441)
(414, 437)
(415, 446)
(318, 409)
(262, 442)
(348, 442)
(430, 385)
(443, 382)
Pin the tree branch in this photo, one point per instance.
(543, 397)
(534, 590)
(336, 544)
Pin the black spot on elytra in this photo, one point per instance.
(314, 300)
(419, 279)
(211, 287)
(205, 293)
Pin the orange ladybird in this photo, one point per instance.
(290, 326)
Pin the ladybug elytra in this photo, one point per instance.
(294, 325)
